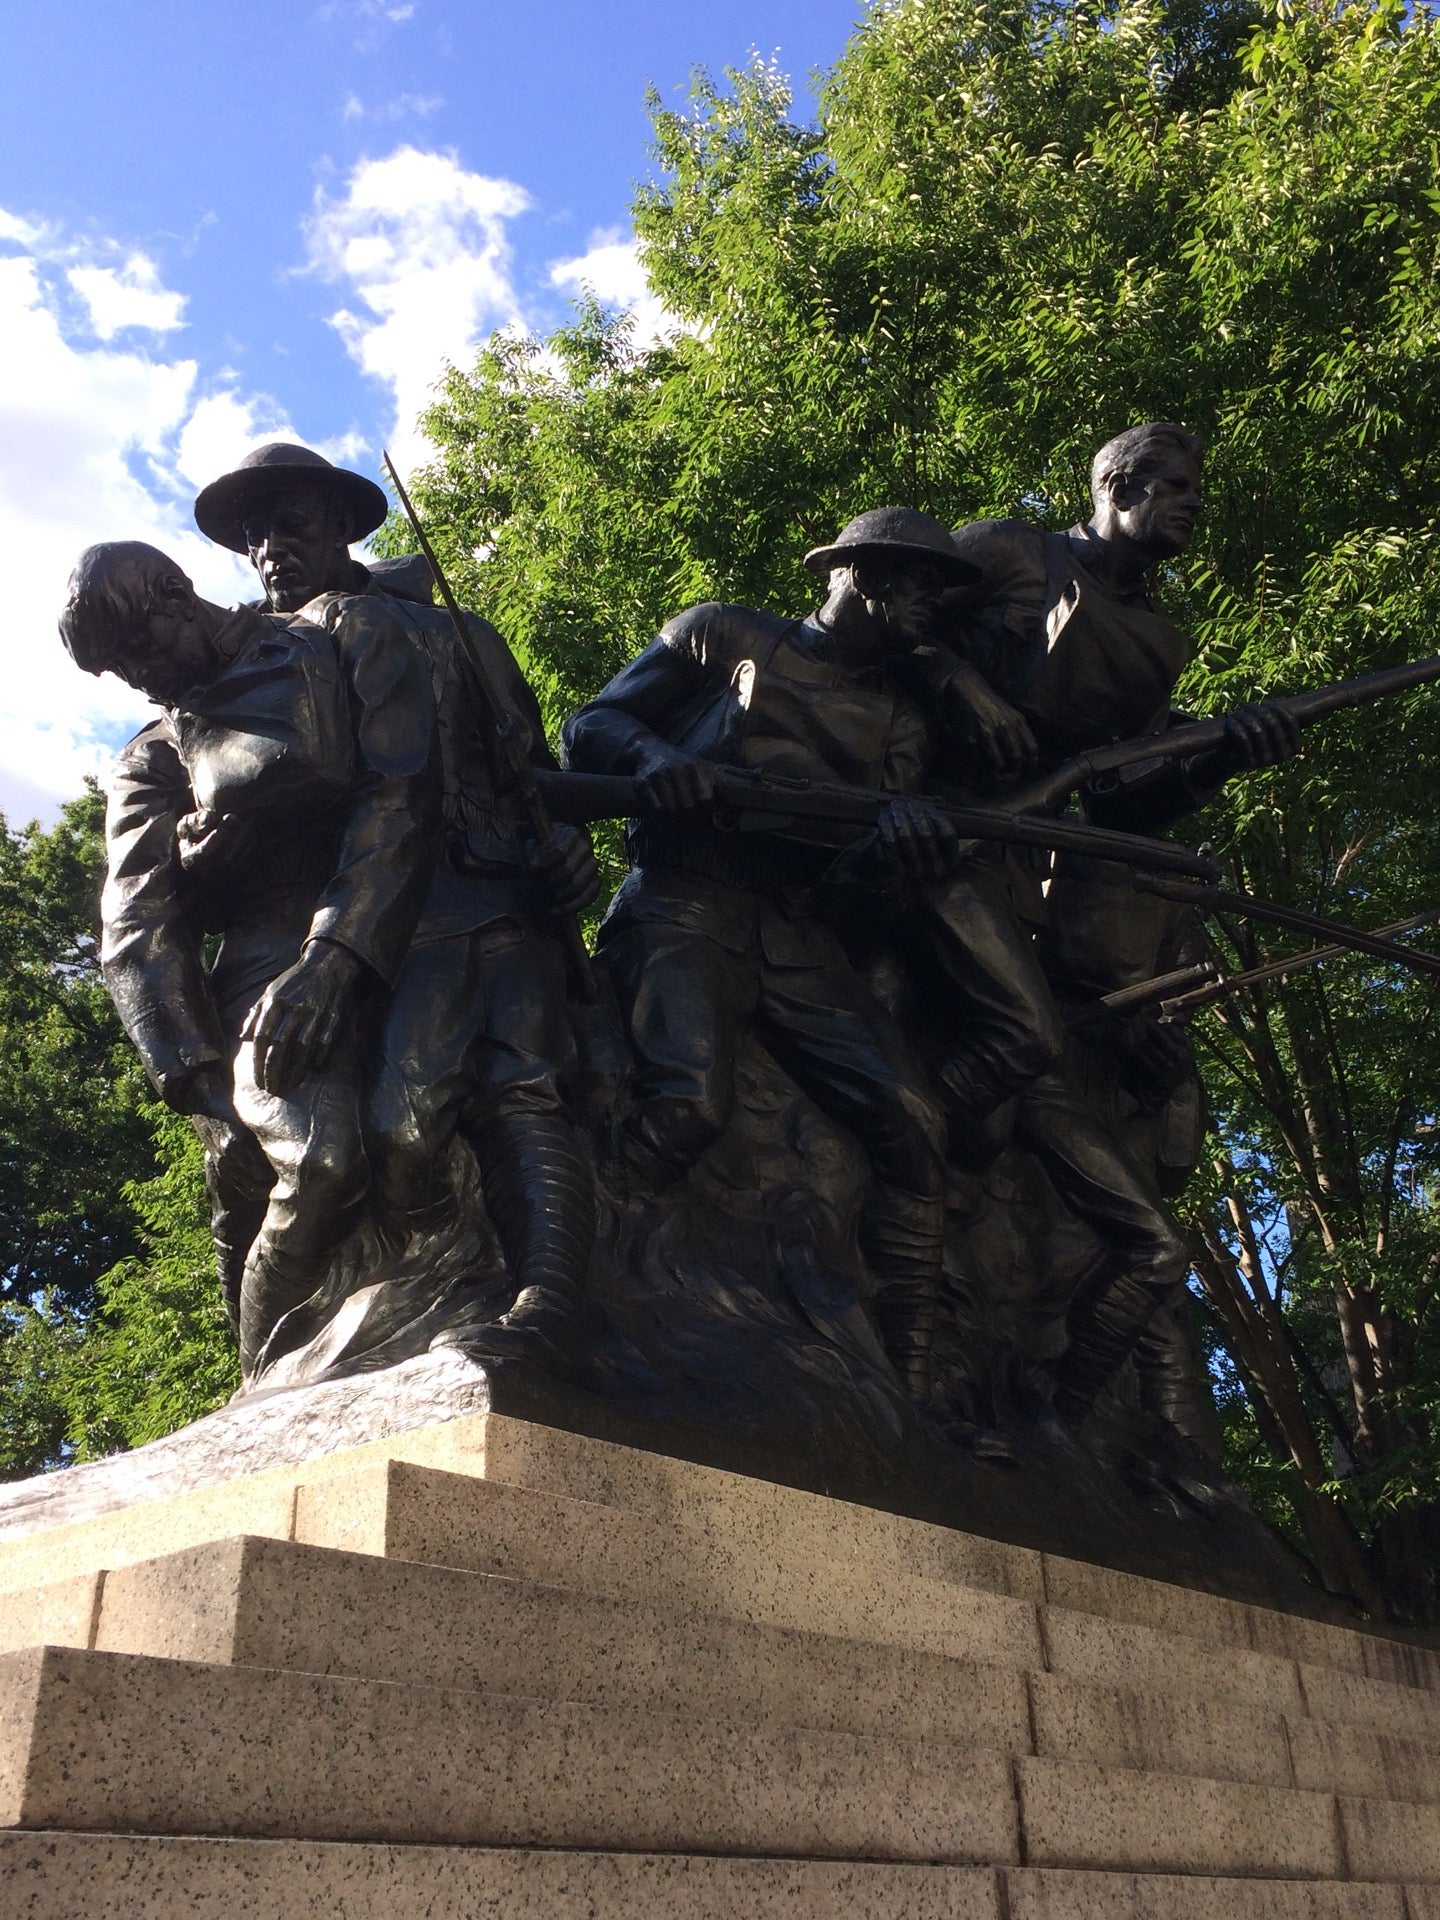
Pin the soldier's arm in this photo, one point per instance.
(391, 839)
(1152, 796)
(514, 689)
(364, 919)
(150, 945)
(956, 675)
(566, 862)
(625, 728)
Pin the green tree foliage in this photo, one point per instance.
(157, 1351)
(110, 1328)
(71, 1130)
(1019, 226)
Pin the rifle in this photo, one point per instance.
(510, 742)
(1342, 938)
(1202, 736)
(1145, 993)
(747, 801)
(1204, 993)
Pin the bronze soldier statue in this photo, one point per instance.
(716, 933)
(477, 1031)
(284, 802)
(1065, 633)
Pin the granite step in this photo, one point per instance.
(269, 1603)
(1064, 1894)
(264, 1603)
(1219, 1739)
(73, 1876)
(1083, 1587)
(401, 1515)
(106, 1741)
(404, 1512)
(745, 1521)
(121, 1743)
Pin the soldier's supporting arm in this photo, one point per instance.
(367, 913)
(567, 862)
(980, 722)
(514, 689)
(150, 947)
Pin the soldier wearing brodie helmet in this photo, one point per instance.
(716, 934)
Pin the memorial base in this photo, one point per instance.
(485, 1666)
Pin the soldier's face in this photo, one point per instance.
(912, 601)
(1157, 508)
(296, 540)
(167, 653)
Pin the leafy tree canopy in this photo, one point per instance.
(1018, 227)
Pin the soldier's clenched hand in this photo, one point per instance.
(1260, 736)
(568, 867)
(295, 1024)
(916, 839)
(676, 783)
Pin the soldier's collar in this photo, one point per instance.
(245, 626)
(1087, 549)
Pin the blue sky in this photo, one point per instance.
(221, 224)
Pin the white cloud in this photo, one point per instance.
(96, 442)
(374, 18)
(404, 106)
(221, 429)
(127, 296)
(611, 270)
(423, 245)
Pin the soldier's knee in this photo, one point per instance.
(1039, 1039)
(1158, 1254)
(331, 1176)
(675, 1131)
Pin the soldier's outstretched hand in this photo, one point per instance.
(1260, 736)
(568, 867)
(296, 1022)
(916, 839)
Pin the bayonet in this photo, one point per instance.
(1220, 987)
(1249, 906)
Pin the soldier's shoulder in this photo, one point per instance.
(339, 607)
(997, 544)
(147, 770)
(152, 744)
(716, 623)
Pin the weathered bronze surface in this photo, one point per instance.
(850, 1167)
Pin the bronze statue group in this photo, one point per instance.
(842, 1081)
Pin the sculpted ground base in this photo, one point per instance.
(487, 1666)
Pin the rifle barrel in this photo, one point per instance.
(1220, 900)
(600, 796)
(1177, 1006)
